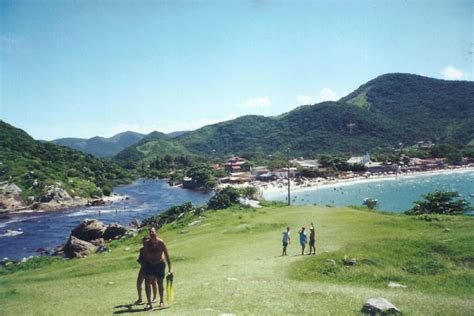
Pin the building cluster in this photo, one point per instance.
(240, 170)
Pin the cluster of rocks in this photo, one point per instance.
(53, 197)
(92, 235)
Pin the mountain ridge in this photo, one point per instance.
(387, 110)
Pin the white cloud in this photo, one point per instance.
(451, 73)
(257, 102)
(327, 94)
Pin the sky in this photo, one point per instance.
(88, 68)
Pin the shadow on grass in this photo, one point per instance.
(129, 308)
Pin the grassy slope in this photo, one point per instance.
(245, 246)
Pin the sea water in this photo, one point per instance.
(393, 194)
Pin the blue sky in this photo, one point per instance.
(87, 68)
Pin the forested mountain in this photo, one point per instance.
(101, 146)
(385, 111)
(35, 167)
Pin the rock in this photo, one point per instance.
(331, 262)
(59, 251)
(102, 249)
(10, 196)
(379, 305)
(114, 231)
(396, 285)
(43, 251)
(76, 248)
(197, 222)
(25, 259)
(447, 230)
(4, 262)
(89, 229)
(131, 232)
(54, 192)
(98, 242)
(349, 262)
(136, 223)
(95, 202)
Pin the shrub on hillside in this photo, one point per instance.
(224, 198)
(440, 202)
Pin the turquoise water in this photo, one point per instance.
(395, 195)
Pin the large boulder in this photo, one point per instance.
(89, 229)
(379, 305)
(54, 192)
(114, 231)
(10, 196)
(76, 248)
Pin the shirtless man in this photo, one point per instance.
(155, 266)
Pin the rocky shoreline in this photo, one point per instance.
(89, 236)
(54, 198)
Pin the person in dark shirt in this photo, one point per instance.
(312, 248)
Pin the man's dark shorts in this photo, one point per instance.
(311, 242)
(285, 244)
(156, 270)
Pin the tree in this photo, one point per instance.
(224, 198)
(440, 202)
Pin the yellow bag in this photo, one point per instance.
(169, 287)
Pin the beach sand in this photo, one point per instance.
(281, 185)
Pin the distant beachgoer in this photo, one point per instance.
(286, 240)
(141, 275)
(155, 266)
(303, 239)
(312, 248)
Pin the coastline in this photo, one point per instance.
(62, 205)
(280, 186)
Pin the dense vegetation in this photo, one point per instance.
(101, 146)
(32, 165)
(387, 111)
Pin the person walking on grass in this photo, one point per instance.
(286, 240)
(303, 239)
(312, 248)
(141, 275)
(154, 250)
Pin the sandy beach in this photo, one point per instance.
(280, 186)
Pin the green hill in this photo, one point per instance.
(229, 263)
(100, 146)
(390, 109)
(33, 165)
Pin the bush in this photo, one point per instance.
(224, 198)
(440, 202)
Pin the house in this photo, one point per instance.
(189, 183)
(266, 177)
(237, 178)
(379, 167)
(306, 164)
(256, 171)
(360, 160)
(283, 173)
(235, 164)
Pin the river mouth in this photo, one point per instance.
(48, 230)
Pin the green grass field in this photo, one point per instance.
(230, 263)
